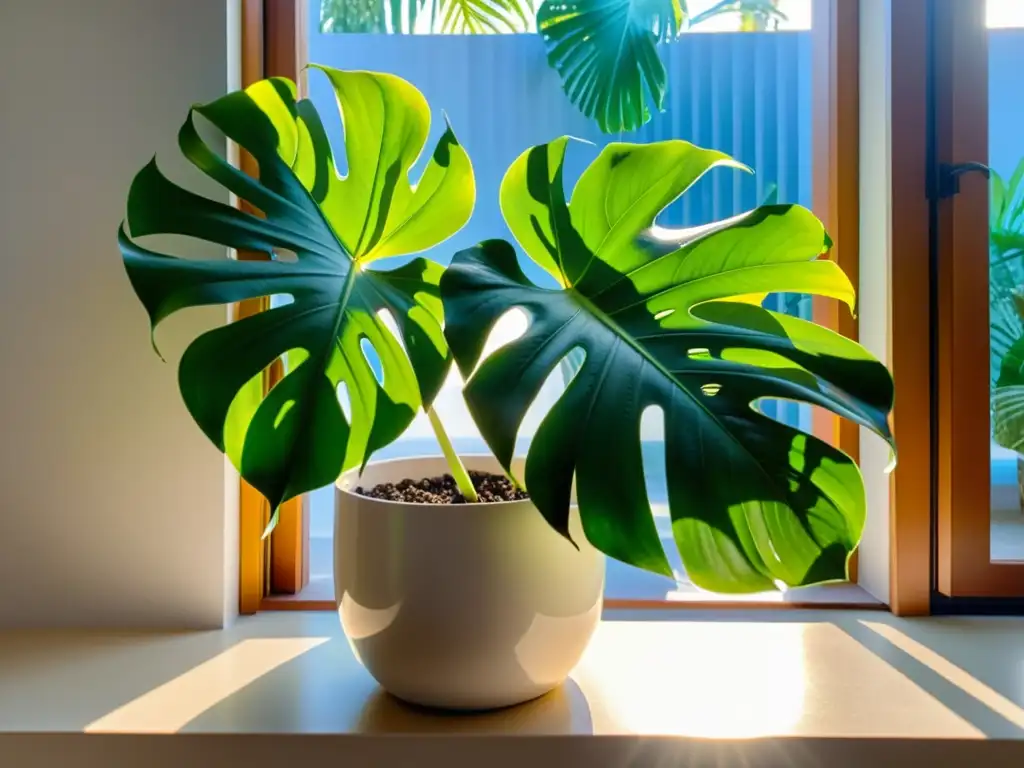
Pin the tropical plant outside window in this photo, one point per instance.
(605, 51)
(1006, 340)
(512, 16)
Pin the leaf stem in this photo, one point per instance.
(458, 471)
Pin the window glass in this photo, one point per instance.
(1006, 274)
(747, 93)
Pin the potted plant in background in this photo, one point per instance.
(473, 605)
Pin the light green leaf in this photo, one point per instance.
(374, 209)
(754, 503)
(298, 438)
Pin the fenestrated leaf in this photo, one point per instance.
(605, 53)
(754, 502)
(298, 438)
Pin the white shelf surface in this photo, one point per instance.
(686, 674)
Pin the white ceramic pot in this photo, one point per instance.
(461, 606)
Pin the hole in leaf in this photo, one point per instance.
(182, 245)
(710, 390)
(554, 386)
(236, 155)
(663, 314)
(388, 321)
(293, 358)
(345, 401)
(792, 412)
(281, 300)
(510, 326)
(372, 359)
(699, 353)
(652, 454)
(285, 254)
(507, 329)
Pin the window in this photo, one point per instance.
(1006, 275)
(979, 247)
(754, 95)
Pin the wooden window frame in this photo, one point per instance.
(835, 133)
(835, 165)
(910, 486)
(273, 45)
(964, 568)
(274, 41)
(940, 509)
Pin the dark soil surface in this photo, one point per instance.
(442, 490)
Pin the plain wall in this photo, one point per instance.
(875, 268)
(114, 509)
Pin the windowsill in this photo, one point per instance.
(318, 595)
(625, 586)
(811, 675)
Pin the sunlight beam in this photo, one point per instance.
(169, 707)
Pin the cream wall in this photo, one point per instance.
(875, 270)
(114, 510)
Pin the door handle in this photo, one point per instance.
(950, 173)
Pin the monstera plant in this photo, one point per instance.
(649, 317)
(333, 332)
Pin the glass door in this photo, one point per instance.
(977, 197)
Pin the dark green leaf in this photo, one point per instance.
(667, 319)
(298, 438)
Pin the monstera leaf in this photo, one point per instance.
(298, 437)
(605, 52)
(669, 319)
